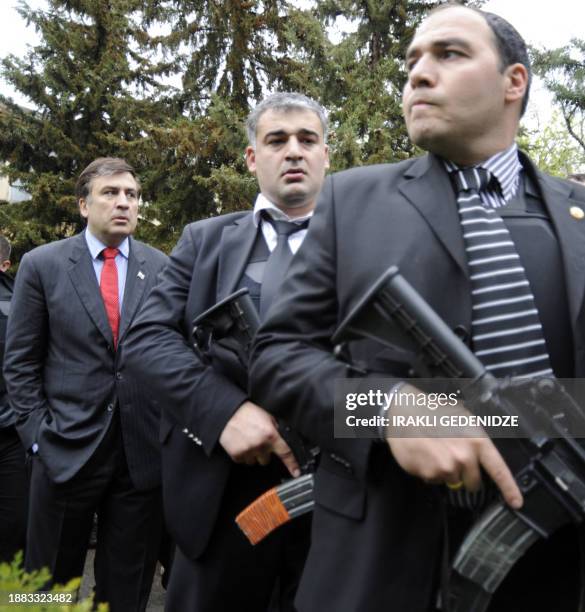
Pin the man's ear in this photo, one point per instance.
(83, 208)
(4, 265)
(516, 82)
(251, 159)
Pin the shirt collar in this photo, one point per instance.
(96, 246)
(263, 203)
(505, 166)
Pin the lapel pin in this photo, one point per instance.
(577, 212)
(142, 277)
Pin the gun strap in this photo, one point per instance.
(488, 553)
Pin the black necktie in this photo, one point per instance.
(278, 262)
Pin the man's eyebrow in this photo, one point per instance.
(442, 44)
(283, 132)
(118, 188)
(308, 132)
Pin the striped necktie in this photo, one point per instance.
(506, 331)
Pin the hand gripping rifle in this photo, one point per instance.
(548, 465)
(222, 336)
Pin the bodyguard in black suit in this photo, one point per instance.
(377, 537)
(213, 437)
(13, 478)
(92, 449)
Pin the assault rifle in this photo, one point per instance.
(548, 465)
(222, 336)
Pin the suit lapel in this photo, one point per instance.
(236, 244)
(136, 282)
(571, 237)
(86, 286)
(424, 177)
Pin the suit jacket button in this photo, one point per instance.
(119, 375)
(110, 407)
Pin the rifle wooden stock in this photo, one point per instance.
(234, 321)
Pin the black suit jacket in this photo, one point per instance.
(6, 290)
(369, 513)
(197, 401)
(64, 378)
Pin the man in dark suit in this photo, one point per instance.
(13, 479)
(92, 450)
(213, 436)
(376, 539)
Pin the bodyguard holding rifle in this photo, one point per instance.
(217, 444)
(473, 226)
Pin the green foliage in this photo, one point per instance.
(228, 54)
(552, 148)
(94, 92)
(194, 170)
(99, 80)
(563, 71)
(13, 579)
(236, 50)
(366, 76)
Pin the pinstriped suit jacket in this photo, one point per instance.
(63, 376)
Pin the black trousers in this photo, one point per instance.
(129, 526)
(234, 575)
(13, 494)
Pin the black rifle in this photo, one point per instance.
(222, 336)
(548, 465)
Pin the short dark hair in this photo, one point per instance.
(284, 101)
(509, 43)
(102, 166)
(5, 248)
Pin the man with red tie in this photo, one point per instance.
(92, 449)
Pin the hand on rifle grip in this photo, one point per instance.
(251, 436)
(443, 459)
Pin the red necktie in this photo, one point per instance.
(109, 289)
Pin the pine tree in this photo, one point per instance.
(235, 50)
(95, 92)
(228, 55)
(96, 82)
